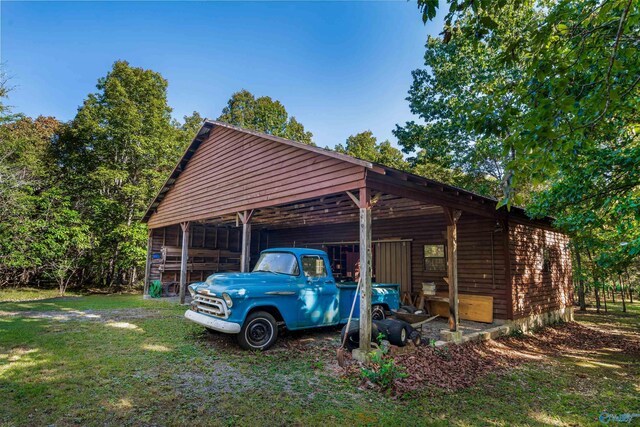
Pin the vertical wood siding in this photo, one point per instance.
(534, 290)
(393, 263)
(232, 170)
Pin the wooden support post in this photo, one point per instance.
(511, 290)
(147, 266)
(365, 270)
(452, 216)
(245, 257)
(183, 260)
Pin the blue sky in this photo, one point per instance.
(339, 67)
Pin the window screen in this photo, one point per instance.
(434, 258)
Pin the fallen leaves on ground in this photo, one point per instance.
(458, 366)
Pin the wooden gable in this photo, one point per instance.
(234, 170)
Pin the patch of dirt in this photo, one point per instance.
(214, 377)
(318, 346)
(458, 366)
(95, 315)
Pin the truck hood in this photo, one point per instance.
(243, 284)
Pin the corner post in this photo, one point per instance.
(508, 278)
(183, 260)
(365, 269)
(452, 216)
(245, 256)
(147, 266)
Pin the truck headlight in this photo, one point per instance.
(227, 299)
(192, 292)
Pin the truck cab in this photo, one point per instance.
(290, 287)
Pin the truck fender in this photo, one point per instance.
(269, 308)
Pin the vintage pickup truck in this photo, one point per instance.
(291, 287)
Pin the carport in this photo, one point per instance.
(235, 192)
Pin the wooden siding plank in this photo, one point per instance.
(267, 200)
(233, 171)
(424, 229)
(237, 190)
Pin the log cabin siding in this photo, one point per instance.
(477, 274)
(536, 291)
(232, 171)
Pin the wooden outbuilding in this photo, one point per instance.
(236, 192)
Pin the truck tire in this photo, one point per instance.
(259, 331)
(377, 312)
(397, 332)
(353, 334)
(415, 337)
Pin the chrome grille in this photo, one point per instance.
(210, 305)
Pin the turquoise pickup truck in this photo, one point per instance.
(291, 287)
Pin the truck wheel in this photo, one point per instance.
(415, 337)
(352, 340)
(377, 312)
(259, 331)
(398, 333)
(353, 334)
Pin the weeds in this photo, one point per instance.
(383, 371)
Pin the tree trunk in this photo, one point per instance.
(114, 275)
(629, 287)
(595, 281)
(613, 291)
(581, 298)
(624, 305)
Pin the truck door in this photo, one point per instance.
(318, 295)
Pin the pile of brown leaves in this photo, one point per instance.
(458, 366)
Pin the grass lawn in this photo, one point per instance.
(95, 360)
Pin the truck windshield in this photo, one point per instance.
(278, 262)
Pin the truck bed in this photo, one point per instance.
(383, 293)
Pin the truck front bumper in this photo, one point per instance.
(212, 322)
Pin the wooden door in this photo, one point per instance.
(393, 263)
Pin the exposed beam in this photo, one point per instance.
(428, 194)
(354, 198)
(183, 260)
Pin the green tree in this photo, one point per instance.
(263, 114)
(365, 146)
(26, 171)
(62, 238)
(114, 156)
(570, 108)
(187, 130)
(467, 117)
(577, 83)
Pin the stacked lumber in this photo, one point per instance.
(200, 259)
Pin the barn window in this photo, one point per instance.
(434, 258)
(546, 261)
